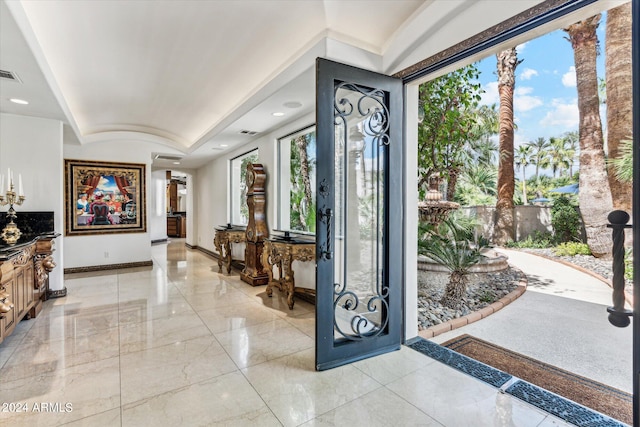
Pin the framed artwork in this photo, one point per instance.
(104, 197)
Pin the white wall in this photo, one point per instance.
(212, 193)
(33, 147)
(157, 213)
(82, 251)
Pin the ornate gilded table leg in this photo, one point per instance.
(289, 284)
(266, 261)
(218, 244)
(227, 255)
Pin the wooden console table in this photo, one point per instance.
(223, 239)
(24, 279)
(281, 253)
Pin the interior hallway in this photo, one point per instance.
(180, 344)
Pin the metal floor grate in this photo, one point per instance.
(549, 402)
(559, 406)
(462, 363)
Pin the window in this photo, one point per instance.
(297, 181)
(239, 210)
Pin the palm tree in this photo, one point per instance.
(483, 148)
(477, 185)
(619, 95)
(523, 158)
(595, 194)
(571, 140)
(450, 245)
(301, 144)
(558, 156)
(623, 165)
(540, 147)
(507, 63)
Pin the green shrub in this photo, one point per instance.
(565, 220)
(572, 249)
(536, 240)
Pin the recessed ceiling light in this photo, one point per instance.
(224, 145)
(292, 104)
(277, 114)
(176, 163)
(19, 101)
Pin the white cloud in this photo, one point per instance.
(569, 78)
(522, 90)
(563, 114)
(523, 101)
(527, 73)
(520, 47)
(490, 95)
(526, 103)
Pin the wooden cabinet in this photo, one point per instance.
(176, 226)
(24, 278)
(172, 226)
(7, 319)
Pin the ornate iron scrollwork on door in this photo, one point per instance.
(361, 298)
(376, 124)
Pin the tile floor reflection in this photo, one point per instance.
(181, 344)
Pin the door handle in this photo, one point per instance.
(325, 216)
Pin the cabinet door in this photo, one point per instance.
(29, 283)
(8, 321)
(19, 289)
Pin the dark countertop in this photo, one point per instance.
(229, 227)
(7, 251)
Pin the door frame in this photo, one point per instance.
(490, 40)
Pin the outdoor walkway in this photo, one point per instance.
(562, 320)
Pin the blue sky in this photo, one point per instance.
(545, 99)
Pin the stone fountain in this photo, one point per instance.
(434, 210)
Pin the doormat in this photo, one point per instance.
(592, 394)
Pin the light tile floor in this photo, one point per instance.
(181, 344)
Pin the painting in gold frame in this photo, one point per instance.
(104, 197)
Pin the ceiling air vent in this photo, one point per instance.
(248, 132)
(167, 157)
(10, 75)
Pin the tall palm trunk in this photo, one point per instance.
(595, 194)
(301, 145)
(503, 231)
(619, 95)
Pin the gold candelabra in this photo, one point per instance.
(11, 233)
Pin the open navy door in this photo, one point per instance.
(359, 237)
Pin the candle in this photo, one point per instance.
(8, 179)
(1, 181)
(20, 192)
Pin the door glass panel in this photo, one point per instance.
(361, 128)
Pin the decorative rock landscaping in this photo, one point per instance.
(483, 290)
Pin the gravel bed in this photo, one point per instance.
(483, 290)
